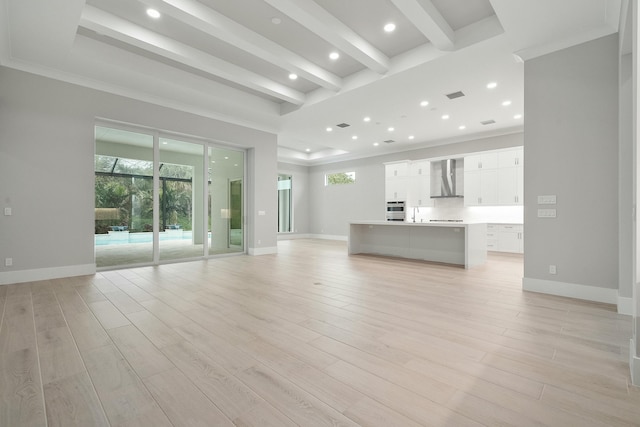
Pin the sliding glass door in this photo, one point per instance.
(123, 197)
(181, 184)
(160, 199)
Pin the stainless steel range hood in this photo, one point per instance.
(446, 178)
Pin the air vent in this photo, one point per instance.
(488, 122)
(389, 141)
(455, 95)
(343, 125)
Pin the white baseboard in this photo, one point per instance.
(263, 251)
(625, 305)
(22, 276)
(293, 236)
(634, 364)
(328, 237)
(571, 290)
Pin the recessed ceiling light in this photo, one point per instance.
(424, 103)
(276, 21)
(308, 150)
(293, 76)
(235, 164)
(375, 144)
(354, 137)
(462, 127)
(506, 103)
(390, 27)
(329, 129)
(367, 119)
(391, 129)
(445, 117)
(492, 85)
(164, 142)
(334, 55)
(517, 116)
(153, 13)
(226, 157)
(411, 136)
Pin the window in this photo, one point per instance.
(284, 204)
(339, 178)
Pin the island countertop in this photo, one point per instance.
(462, 243)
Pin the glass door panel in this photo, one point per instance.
(123, 197)
(284, 204)
(226, 201)
(181, 207)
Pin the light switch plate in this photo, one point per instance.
(547, 200)
(546, 213)
(7, 211)
(261, 213)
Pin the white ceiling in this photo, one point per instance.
(227, 59)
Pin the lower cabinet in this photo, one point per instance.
(505, 238)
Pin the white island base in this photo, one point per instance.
(447, 242)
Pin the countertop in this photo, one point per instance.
(417, 224)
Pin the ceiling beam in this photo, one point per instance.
(429, 21)
(219, 26)
(326, 26)
(132, 34)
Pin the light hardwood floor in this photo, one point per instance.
(310, 337)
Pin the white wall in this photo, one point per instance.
(46, 171)
(571, 150)
(625, 182)
(332, 207)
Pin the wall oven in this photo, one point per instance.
(395, 211)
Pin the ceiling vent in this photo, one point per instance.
(455, 95)
(343, 125)
(389, 141)
(488, 122)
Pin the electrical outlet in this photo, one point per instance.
(552, 269)
(8, 262)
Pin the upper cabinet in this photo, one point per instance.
(396, 181)
(491, 178)
(396, 169)
(494, 178)
(481, 161)
(511, 177)
(420, 184)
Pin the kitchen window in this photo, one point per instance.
(339, 178)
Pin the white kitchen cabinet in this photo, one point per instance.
(505, 238)
(396, 169)
(511, 186)
(511, 238)
(396, 181)
(511, 158)
(480, 187)
(481, 161)
(419, 194)
(396, 189)
(511, 177)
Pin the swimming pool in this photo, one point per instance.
(124, 237)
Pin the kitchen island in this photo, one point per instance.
(460, 243)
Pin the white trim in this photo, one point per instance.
(625, 305)
(292, 236)
(328, 237)
(9, 277)
(571, 290)
(263, 251)
(634, 364)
